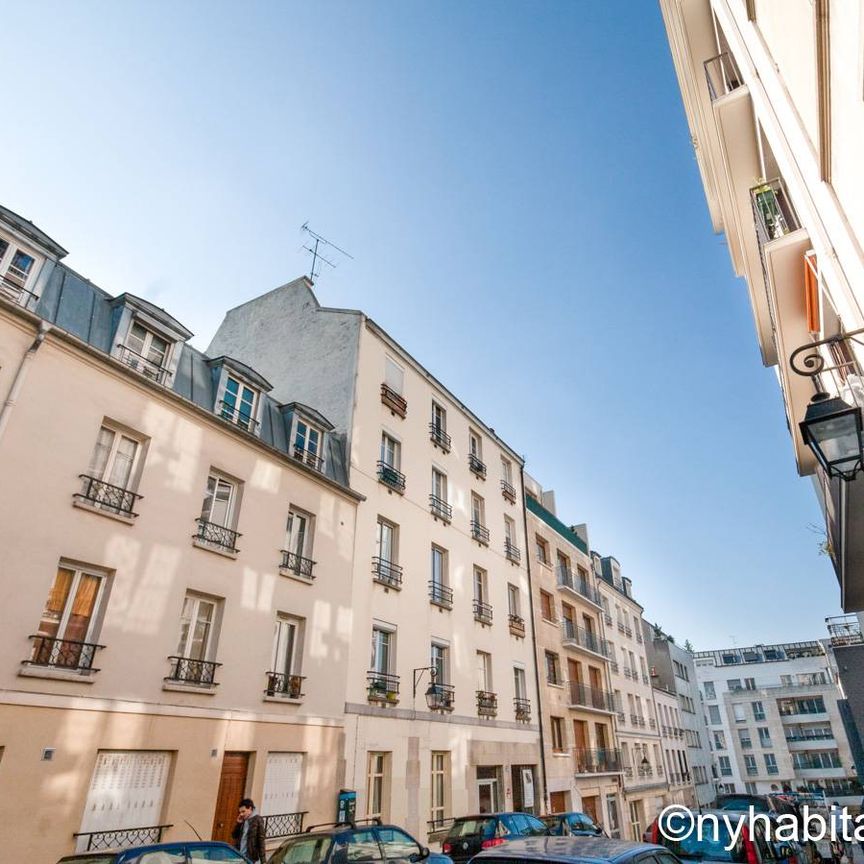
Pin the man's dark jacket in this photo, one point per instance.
(254, 838)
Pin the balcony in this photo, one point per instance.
(844, 630)
(607, 618)
(296, 565)
(231, 413)
(522, 710)
(574, 636)
(394, 401)
(143, 366)
(197, 673)
(16, 292)
(652, 723)
(512, 552)
(67, 654)
(103, 496)
(601, 761)
(391, 478)
(444, 696)
(479, 532)
(815, 762)
(386, 573)
(439, 437)
(307, 457)
(578, 584)
(284, 686)
(586, 696)
(216, 537)
(477, 466)
(382, 687)
(639, 637)
(508, 490)
(517, 625)
(440, 595)
(487, 703)
(440, 509)
(613, 665)
(119, 838)
(482, 612)
(722, 75)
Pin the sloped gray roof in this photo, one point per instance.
(28, 229)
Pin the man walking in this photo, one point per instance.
(249, 833)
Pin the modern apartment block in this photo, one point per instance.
(175, 622)
(772, 91)
(441, 701)
(645, 786)
(682, 721)
(847, 646)
(582, 761)
(775, 721)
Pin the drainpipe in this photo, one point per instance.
(534, 645)
(20, 375)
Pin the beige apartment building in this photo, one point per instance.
(581, 756)
(441, 699)
(176, 615)
(645, 786)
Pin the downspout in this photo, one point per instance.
(537, 679)
(20, 375)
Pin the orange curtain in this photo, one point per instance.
(811, 294)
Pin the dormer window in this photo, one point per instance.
(306, 431)
(239, 402)
(238, 390)
(146, 352)
(16, 268)
(308, 444)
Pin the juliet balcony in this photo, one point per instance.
(382, 687)
(100, 495)
(439, 437)
(280, 685)
(522, 710)
(479, 532)
(596, 761)
(508, 491)
(482, 612)
(487, 703)
(391, 477)
(440, 595)
(218, 537)
(577, 584)
(64, 654)
(517, 625)
(196, 673)
(512, 552)
(142, 365)
(440, 509)
(477, 466)
(296, 565)
(394, 401)
(386, 573)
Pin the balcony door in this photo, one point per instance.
(232, 789)
(574, 671)
(580, 735)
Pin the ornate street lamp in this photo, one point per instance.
(436, 696)
(832, 429)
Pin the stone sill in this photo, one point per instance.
(441, 604)
(209, 547)
(55, 674)
(84, 504)
(177, 687)
(285, 700)
(297, 577)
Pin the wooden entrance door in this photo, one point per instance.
(589, 807)
(558, 802)
(574, 671)
(595, 678)
(232, 789)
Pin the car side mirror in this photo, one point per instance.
(422, 855)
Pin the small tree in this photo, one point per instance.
(688, 647)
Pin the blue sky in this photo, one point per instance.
(518, 188)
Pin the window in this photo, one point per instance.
(286, 663)
(394, 375)
(749, 683)
(438, 588)
(520, 687)
(439, 787)
(309, 444)
(514, 607)
(146, 352)
(725, 766)
(719, 741)
(553, 668)
(111, 477)
(218, 505)
(386, 546)
(509, 531)
(750, 764)
(475, 445)
(298, 540)
(744, 739)
(547, 606)
(758, 710)
(478, 510)
(785, 680)
(383, 649)
(764, 736)
(558, 734)
(542, 549)
(709, 690)
(771, 763)
(197, 628)
(738, 712)
(484, 671)
(439, 660)
(714, 715)
(376, 790)
(238, 403)
(506, 471)
(439, 485)
(391, 451)
(67, 628)
(733, 684)
(15, 268)
(439, 418)
(481, 592)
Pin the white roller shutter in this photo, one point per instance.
(282, 778)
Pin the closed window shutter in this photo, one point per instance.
(282, 778)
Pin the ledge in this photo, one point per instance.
(84, 504)
(32, 671)
(290, 574)
(177, 687)
(209, 547)
(284, 700)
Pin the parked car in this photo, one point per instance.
(710, 845)
(161, 853)
(575, 824)
(469, 835)
(759, 803)
(345, 842)
(569, 850)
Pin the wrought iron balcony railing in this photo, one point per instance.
(147, 368)
(440, 595)
(522, 709)
(773, 212)
(287, 686)
(217, 535)
(508, 490)
(607, 618)
(487, 703)
(439, 508)
(105, 496)
(16, 292)
(579, 584)
(722, 75)
(591, 697)
(307, 457)
(439, 437)
(386, 572)
(120, 838)
(512, 552)
(479, 532)
(382, 687)
(477, 466)
(444, 696)
(576, 635)
(65, 654)
(297, 564)
(389, 476)
(482, 612)
(234, 415)
(599, 761)
(517, 624)
(394, 401)
(186, 670)
(283, 824)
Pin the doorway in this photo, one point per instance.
(232, 789)
(589, 807)
(558, 802)
(523, 785)
(488, 790)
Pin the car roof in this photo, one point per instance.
(148, 847)
(492, 815)
(567, 848)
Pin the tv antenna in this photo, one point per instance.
(312, 247)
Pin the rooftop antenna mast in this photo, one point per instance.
(312, 247)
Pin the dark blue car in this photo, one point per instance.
(573, 824)
(188, 852)
(576, 850)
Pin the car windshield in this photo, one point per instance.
(308, 850)
(469, 827)
(711, 845)
(744, 803)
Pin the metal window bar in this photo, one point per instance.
(445, 695)
(217, 535)
(522, 709)
(508, 490)
(396, 403)
(382, 685)
(186, 670)
(107, 496)
(438, 436)
(297, 564)
(122, 838)
(389, 476)
(16, 292)
(281, 684)
(307, 457)
(487, 703)
(722, 75)
(441, 595)
(591, 697)
(233, 414)
(63, 653)
(512, 552)
(477, 466)
(141, 364)
(482, 612)
(386, 572)
(517, 623)
(572, 632)
(479, 532)
(283, 824)
(440, 508)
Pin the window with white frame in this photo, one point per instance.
(481, 585)
(725, 766)
(507, 471)
(439, 787)
(299, 533)
(758, 710)
(764, 736)
(509, 531)
(708, 686)
(771, 763)
(520, 687)
(394, 375)
(146, 352)
(309, 444)
(383, 650)
(439, 657)
(478, 510)
(377, 791)
(438, 569)
(70, 618)
(391, 451)
(714, 715)
(738, 713)
(542, 549)
(16, 266)
(219, 501)
(239, 403)
(514, 605)
(484, 671)
(198, 628)
(386, 541)
(439, 485)
(439, 418)
(111, 477)
(475, 445)
(284, 677)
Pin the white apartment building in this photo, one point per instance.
(645, 787)
(176, 617)
(772, 90)
(775, 722)
(441, 701)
